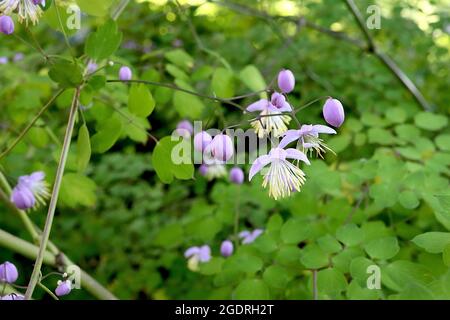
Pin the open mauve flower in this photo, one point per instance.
(226, 249)
(125, 73)
(196, 255)
(269, 122)
(6, 25)
(64, 288)
(308, 138)
(282, 177)
(30, 190)
(286, 81)
(27, 10)
(250, 236)
(12, 296)
(333, 112)
(8, 272)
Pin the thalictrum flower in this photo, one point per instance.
(202, 140)
(30, 190)
(282, 177)
(237, 175)
(63, 288)
(6, 25)
(125, 73)
(333, 112)
(8, 272)
(250, 236)
(196, 255)
(221, 148)
(286, 81)
(226, 248)
(27, 10)
(308, 138)
(270, 121)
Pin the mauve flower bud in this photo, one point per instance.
(226, 249)
(286, 81)
(23, 197)
(185, 128)
(201, 141)
(333, 112)
(8, 272)
(237, 175)
(125, 74)
(6, 25)
(39, 2)
(203, 169)
(222, 147)
(4, 60)
(64, 288)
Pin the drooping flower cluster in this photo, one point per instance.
(31, 191)
(27, 10)
(284, 177)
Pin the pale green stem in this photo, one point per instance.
(50, 293)
(55, 193)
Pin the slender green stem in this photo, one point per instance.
(66, 38)
(237, 216)
(174, 87)
(55, 193)
(119, 9)
(50, 293)
(30, 125)
(315, 291)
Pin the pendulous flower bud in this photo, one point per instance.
(6, 25)
(185, 128)
(8, 272)
(201, 141)
(125, 74)
(237, 175)
(286, 81)
(333, 112)
(64, 288)
(227, 248)
(222, 147)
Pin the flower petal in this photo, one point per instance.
(258, 164)
(296, 154)
(259, 105)
(191, 251)
(323, 129)
(289, 136)
(285, 108)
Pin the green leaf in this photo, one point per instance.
(400, 274)
(329, 244)
(140, 100)
(251, 289)
(66, 73)
(180, 58)
(107, 136)
(169, 236)
(168, 167)
(381, 136)
(330, 282)
(77, 189)
(187, 105)
(358, 270)
(38, 137)
(223, 83)
(295, 231)
(443, 142)
(349, 234)
(214, 266)
(98, 8)
(432, 242)
(408, 199)
(83, 148)
(104, 42)
(430, 121)
(312, 257)
(244, 262)
(382, 248)
(276, 277)
(446, 255)
(253, 79)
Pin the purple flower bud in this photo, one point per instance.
(226, 249)
(39, 2)
(3, 60)
(203, 169)
(201, 141)
(125, 74)
(237, 175)
(64, 288)
(6, 25)
(333, 112)
(12, 296)
(91, 67)
(8, 272)
(18, 57)
(23, 198)
(222, 147)
(286, 81)
(185, 128)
